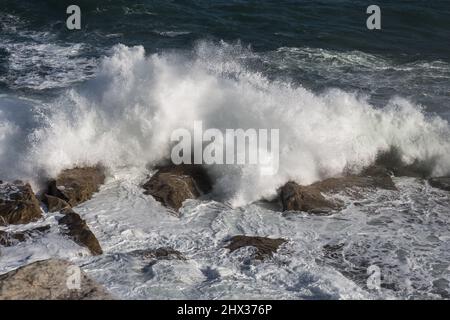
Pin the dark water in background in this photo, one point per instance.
(410, 57)
(411, 29)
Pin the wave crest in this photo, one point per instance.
(126, 114)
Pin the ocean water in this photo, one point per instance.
(340, 95)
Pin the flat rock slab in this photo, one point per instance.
(348, 182)
(18, 204)
(440, 183)
(48, 280)
(77, 229)
(265, 247)
(8, 239)
(172, 185)
(295, 197)
(76, 185)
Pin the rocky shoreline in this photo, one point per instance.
(171, 186)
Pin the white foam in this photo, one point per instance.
(404, 233)
(125, 116)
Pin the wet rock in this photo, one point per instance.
(18, 204)
(310, 199)
(151, 256)
(11, 238)
(172, 185)
(335, 255)
(349, 182)
(48, 280)
(440, 183)
(265, 247)
(77, 229)
(76, 185)
(164, 253)
(54, 204)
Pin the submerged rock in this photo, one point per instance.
(265, 247)
(48, 280)
(78, 230)
(18, 204)
(76, 185)
(440, 183)
(172, 185)
(11, 238)
(164, 253)
(151, 256)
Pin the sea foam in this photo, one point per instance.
(127, 113)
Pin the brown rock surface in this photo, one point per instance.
(76, 185)
(18, 204)
(265, 247)
(310, 199)
(55, 204)
(78, 230)
(47, 280)
(363, 182)
(172, 185)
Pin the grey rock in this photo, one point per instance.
(47, 280)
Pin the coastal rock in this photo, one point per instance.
(48, 280)
(78, 230)
(172, 185)
(440, 183)
(310, 199)
(18, 204)
(349, 182)
(11, 238)
(265, 247)
(164, 253)
(76, 185)
(151, 256)
(55, 204)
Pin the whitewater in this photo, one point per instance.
(122, 116)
